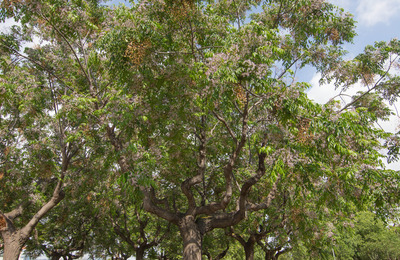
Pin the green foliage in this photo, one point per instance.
(363, 237)
(192, 109)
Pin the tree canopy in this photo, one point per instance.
(186, 117)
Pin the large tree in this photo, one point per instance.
(47, 139)
(194, 104)
(222, 121)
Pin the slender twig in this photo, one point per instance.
(174, 52)
(210, 47)
(288, 68)
(69, 45)
(35, 62)
(374, 87)
(395, 108)
(226, 126)
(278, 17)
(379, 125)
(339, 95)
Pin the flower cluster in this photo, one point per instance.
(248, 58)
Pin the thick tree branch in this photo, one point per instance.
(229, 219)
(238, 238)
(186, 186)
(189, 183)
(268, 201)
(223, 253)
(18, 211)
(228, 171)
(116, 143)
(150, 205)
(58, 195)
(251, 182)
(121, 234)
(226, 126)
(150, 201)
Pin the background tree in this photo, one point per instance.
(362, 237)
(46, 93)
(63, 234)
(36, 156)
(66, 231)
(376, 240)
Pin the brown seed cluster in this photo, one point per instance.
(10, 4)
(3, 223)
(182, 10)
(296, 215)
(333, 34)
(240, 95)
(368, 78)
(136, 51)
(303, 135)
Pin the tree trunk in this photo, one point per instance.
(270, 255)
(139, 254)
(13, 243)
(192, 238)
(249, 251)
(55, 256)
(14, 239)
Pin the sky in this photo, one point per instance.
(377, 20)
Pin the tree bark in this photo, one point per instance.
(192, 238)
(55, 256)
(270, 255)
(14, 239)
(13, 243)
(249, 250)
(139, 254)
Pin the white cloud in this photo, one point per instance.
(4, 26)
(323, 93)
(371, 12)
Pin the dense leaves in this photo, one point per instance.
(189, 113)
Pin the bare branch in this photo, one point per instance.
(18, 211)
(58, 195)
(228, 174)
(174, 52)
(226, 126)
(35, 62)
(150, 205)
(187, 184)
(188, 53)
(369, 91)
(69, 45)
(239, 238)
(268, 201)
(121, 234)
